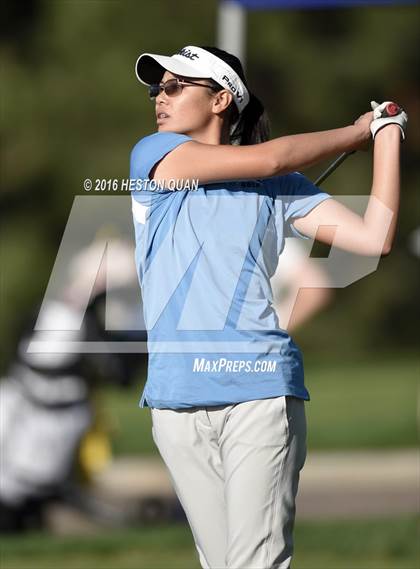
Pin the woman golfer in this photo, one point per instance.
(214, 202)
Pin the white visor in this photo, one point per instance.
(192, 61)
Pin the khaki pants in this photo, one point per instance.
(235, 469)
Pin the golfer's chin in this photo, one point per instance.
(166, 125)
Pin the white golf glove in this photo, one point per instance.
(387, 113)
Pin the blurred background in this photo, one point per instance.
(73, 109)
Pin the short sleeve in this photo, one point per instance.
(150, 149)
(298, 196)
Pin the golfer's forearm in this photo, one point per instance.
(383, 206)
(299, 151)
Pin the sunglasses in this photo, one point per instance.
(173, 87)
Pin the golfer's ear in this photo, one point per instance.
(222, 100)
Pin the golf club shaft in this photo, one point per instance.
(332, 167)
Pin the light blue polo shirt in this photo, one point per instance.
(204, 259)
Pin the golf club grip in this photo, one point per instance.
(391, 110)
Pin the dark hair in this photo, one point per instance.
(253, 126)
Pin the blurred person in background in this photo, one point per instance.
(52, 435)
(230, 423)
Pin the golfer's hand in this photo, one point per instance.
(382, 118)
(364, 122)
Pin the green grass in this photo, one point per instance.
(354, 404)
(363, 405)
(378, 544)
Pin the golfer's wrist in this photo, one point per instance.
(355, 137)
(389, 132)
(362, 133)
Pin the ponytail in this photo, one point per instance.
(253, 125)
